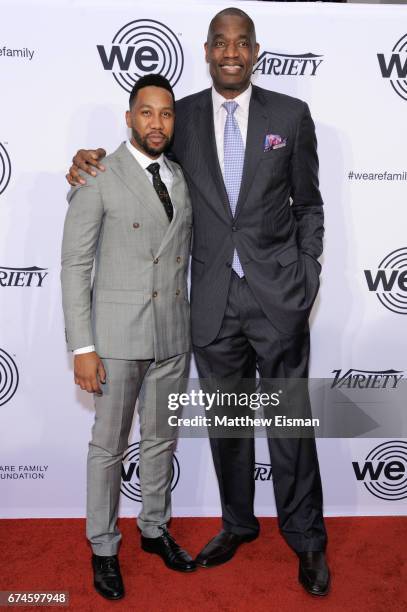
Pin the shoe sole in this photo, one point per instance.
(229, 556)
(171, 567)
(106, 597)
(328, 588)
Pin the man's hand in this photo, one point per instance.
(89, 372)
(86, 160)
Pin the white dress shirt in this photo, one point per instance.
(220, 114)
(144, 161)
(166, 177)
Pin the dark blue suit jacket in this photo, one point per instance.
(278, 226)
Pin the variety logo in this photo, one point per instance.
(131, 474)
(395, 67)
(22, 277)
(367, 379)
(5, 168)
(262, 471)
(389, 282)
(384, 471)
(288, 64)
(9, 377)
(141, 47)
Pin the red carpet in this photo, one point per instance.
(368, 558)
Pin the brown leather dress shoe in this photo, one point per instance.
(222, 548)
(314, 572)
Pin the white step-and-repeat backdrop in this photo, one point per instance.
(65, 71)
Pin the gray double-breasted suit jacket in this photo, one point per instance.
(138, 306)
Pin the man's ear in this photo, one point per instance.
(206, 52)
(256, 52)
(128, 119)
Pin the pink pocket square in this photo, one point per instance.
(274, 141)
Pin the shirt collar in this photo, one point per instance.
(144, 160)
(242, 99)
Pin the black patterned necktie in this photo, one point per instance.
(161, 189)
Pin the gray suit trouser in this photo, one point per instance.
(127, 381)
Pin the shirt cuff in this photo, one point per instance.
(84, 349)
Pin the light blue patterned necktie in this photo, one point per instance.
(233, 160)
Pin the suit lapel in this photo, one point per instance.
(178, 200)
(207, 143)
(178, 186)
(256, 131)
(133, 175)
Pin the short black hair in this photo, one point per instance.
(156, 80)
(233, 12)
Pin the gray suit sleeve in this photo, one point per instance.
(83, 223)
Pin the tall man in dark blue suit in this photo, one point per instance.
(250, 159)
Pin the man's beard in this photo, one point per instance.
(143, 143)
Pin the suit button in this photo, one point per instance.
(177, 292)
(178, 259)
(155, 260)
(155, 293)
(136, 225)
(234, 228)
(228, 265)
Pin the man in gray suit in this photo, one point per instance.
(133, 222)
(250, 158)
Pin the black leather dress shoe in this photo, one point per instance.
(222, 548)
(107, 577)
(173, 555)
(314, 572)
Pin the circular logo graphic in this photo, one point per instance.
(400, 84)
(145, 46)
(395, 263)
(8, 377)
(5, 168)
(130, 473)
(380, 458)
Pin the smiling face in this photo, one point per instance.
(231, 52)
(151, 120)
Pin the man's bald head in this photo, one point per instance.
(231, 51)
(232, 12)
